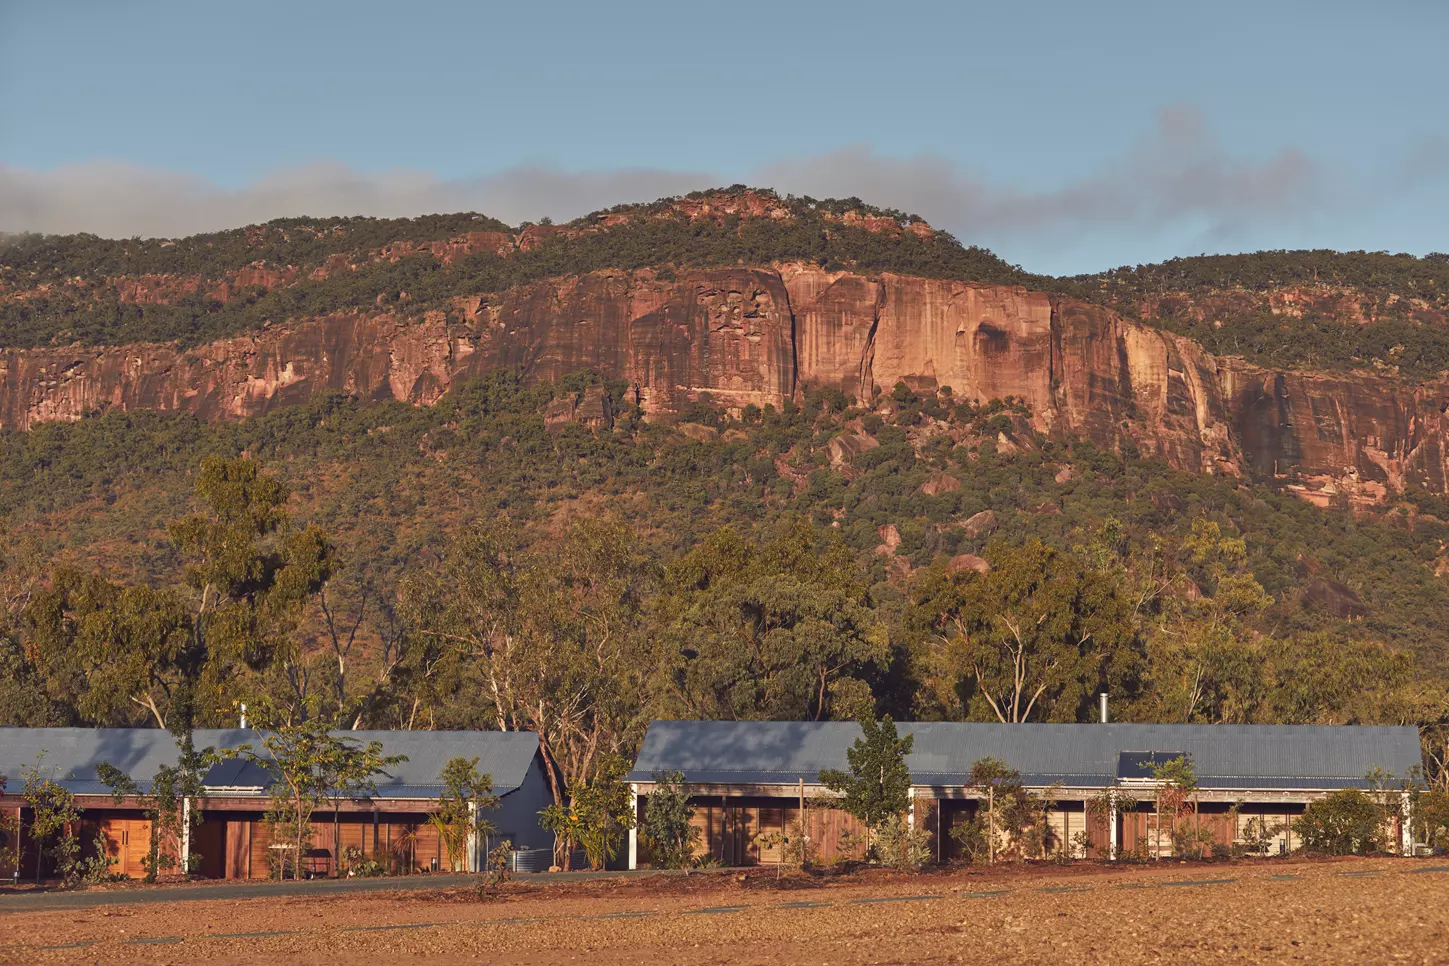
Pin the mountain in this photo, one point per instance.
(1323, 374)
(788, 446)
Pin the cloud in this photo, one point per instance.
(1178, 177)
(1426, 160)
(120, 200)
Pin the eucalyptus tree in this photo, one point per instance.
(1032, 638)
(309, 766)
(551, 638)
(186, 654)
(778, 628)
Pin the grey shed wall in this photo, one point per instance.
(517, 814)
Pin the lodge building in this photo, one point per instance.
(746, 780)
(231, 840)
(751, 778)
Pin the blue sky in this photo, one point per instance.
(1068, 136)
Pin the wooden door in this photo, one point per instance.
(128, 842)
(208, 849)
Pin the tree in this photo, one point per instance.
(782, 629)
(113, 648)
(1009, 815)
(116, 647)
(878, 783)
(27, 695)
(998, 781)
(666, 827)
(467, 794)
(251, 572)
(599, 812)
(11, 836)
(1432, 717)
(1174, 795)
(1106, 805)
(1205, 663)
(1347, 822)
(1033, 638)
(308, 765)
(552, 640)
(54, 814)
(1390, 793)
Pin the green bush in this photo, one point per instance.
(666, 827)
(899, 846)
(1347, 822)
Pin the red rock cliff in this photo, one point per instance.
(742, 336)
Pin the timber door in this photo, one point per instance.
(128, 843)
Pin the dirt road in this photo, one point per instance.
(1359, 911)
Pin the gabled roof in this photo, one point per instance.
(1288, 757)
(71, 756)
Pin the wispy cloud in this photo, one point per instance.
(1181, 176)
(1426, 160)
(120, 200)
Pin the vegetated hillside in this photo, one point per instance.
(56, 290)
(800, 562)
(1294, 309)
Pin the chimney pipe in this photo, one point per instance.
(1103, 697)
(244, 713)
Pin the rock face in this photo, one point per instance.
(760, 336)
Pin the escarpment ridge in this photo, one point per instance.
(759, 336)
(742, 298)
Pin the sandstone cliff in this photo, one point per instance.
(760, 336)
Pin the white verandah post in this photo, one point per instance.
(1406, 830)
(473, 864)
(1112, 829)
(634, 829)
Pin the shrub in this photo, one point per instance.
(1347, 822)
(974, 838)
(1258, 835)
(357, 866)
(1431, 813)
(666, 828)
(795, 849)
(900, 846)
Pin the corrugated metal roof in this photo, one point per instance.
(1080, 755)
(71, 755)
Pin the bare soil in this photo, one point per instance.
(1348, 911)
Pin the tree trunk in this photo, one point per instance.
(551, 769)
(1197, 826)
(297, 831)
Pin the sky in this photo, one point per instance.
(1067, 136)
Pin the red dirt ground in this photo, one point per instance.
(1351, 911)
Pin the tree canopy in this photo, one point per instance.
(470, 565)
